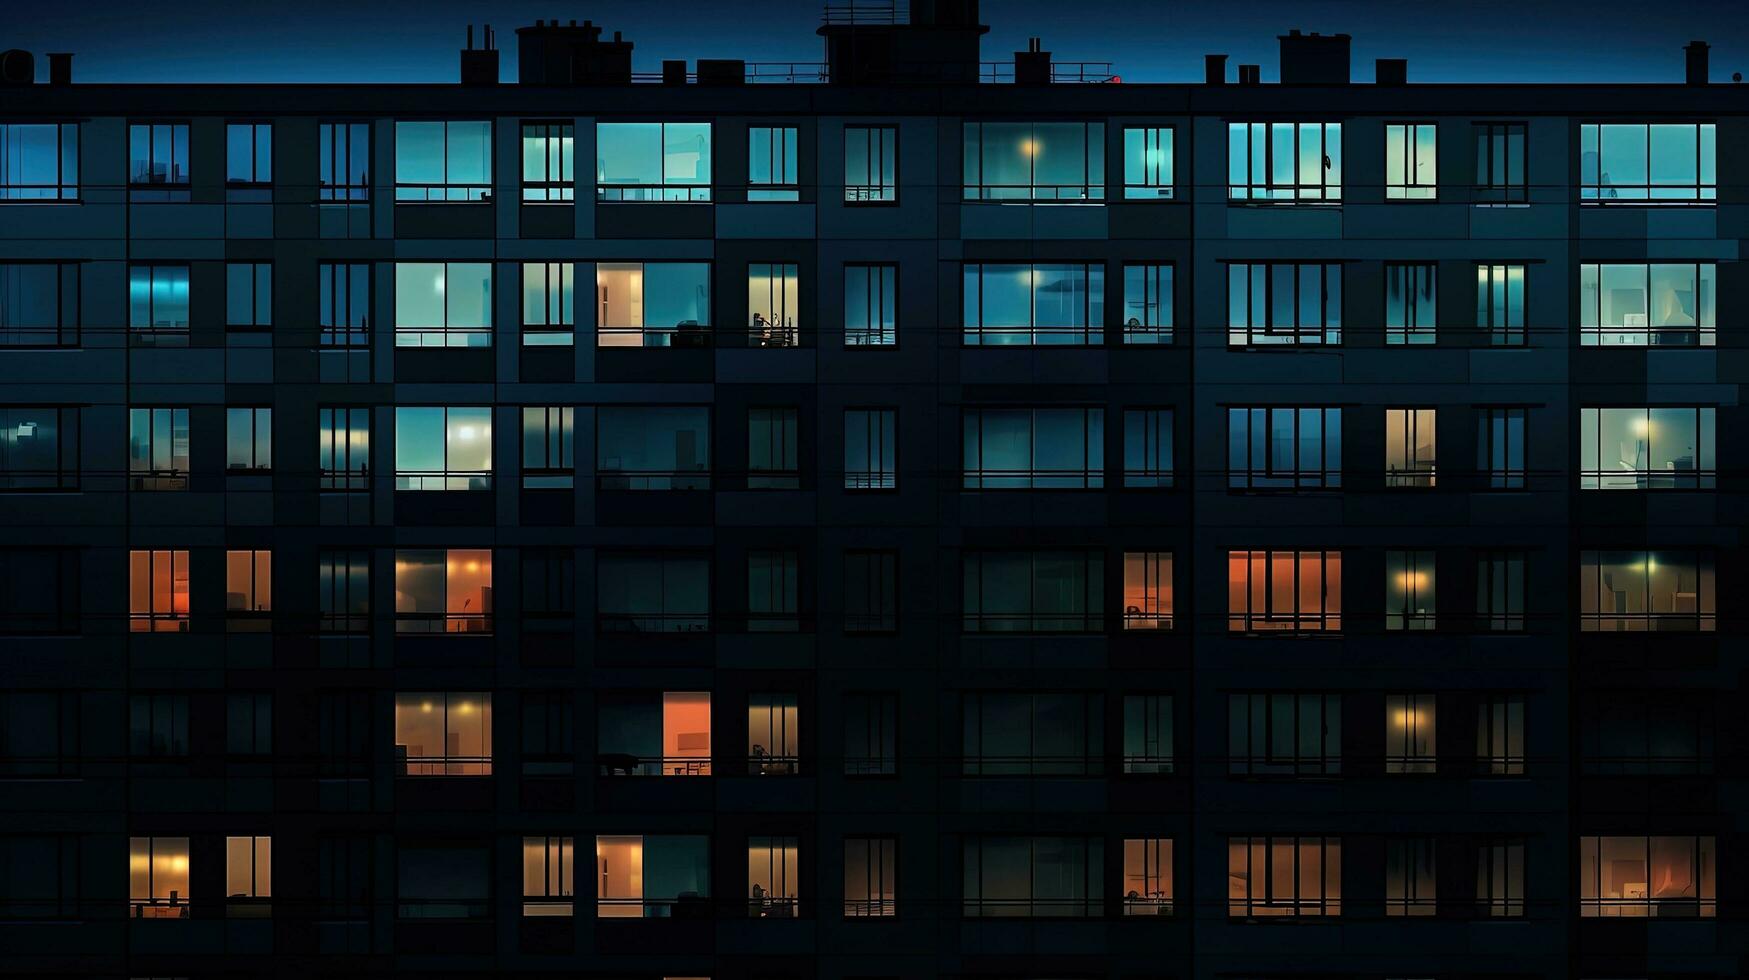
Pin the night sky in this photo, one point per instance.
(1160, 41)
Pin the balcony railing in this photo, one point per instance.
(1648, 908)
(444, 765)
(652, 622)
(429, 480)
(455, 622)
(870, 908)
(683, 907)
(174, 907)
(617, 479)
(1033, 908)
(1147, 905)
(689, 334)
(621, 764)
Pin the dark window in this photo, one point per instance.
(158, 725)
(1411, 304)
(1409, 877)
(1147, 303)
(1284, 162)
(1648, 733)
(158, 161)
(158, 448)
(1646, 591)
(1034, 877)
(39, 731)
(40, 876)
(1500, 596)
(39, 162)
(345, 448)
(548, 461)
(1284, 448)
(871, 873)
(871, 305)
(1500, 303)
(1500, 878)
(653, 593)
(344, 734)
(548, 738)
(1500, 163)
(1500, 447)
(1275, 303)
(249, 154)
(1147, 447)
(1034, 592)
(549, 589)
(1147, 734)
(344, 591)
(344, 870)
(248, 294)
(1033, 734)
(249, 723)
(548, 174)
(39, 304)
(343, 311)
(772, 592)
(771, 449)
(871, 733)
(1284, 734)
(39, 448)
(1034, 448)
(248, 440)
(653, 447)
(345, 159)
(871, 591)
(871, 449)
(871, 164)
(1500, 735)
(39, 591)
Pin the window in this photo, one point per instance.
(1276, 876)
(1666, 163)
(772, 583)
(443, 880)
(773, 877)
(1147, 876)
(1044, 161)
(1641, 732)
(1034, 305)
(653, 594)
(248, 440)
(871, 877)
(1034, 592)
(158, 876)
(42, 877)
(1500, 590)
(345, 870)
(1500, 163)
(1147, 303)
(1637, 877)
(1284, 162)
(249, 723)
(1147, 734)
(1273, 303)
(443, 734)
(343, 310)
(158, 298)
(771, 449)
(344, 153)
(346, 738)
(1410, 447)
(1284, 448)
(653, 161)
(871, 449)
(443, 304)
(1639, 591)
(548, 733)
(1411, 310)
(344, 447)
(549, 866)
(548, 304)
(1662, 304)
(547, 458)
(1500, 878)
(1147, 448)
(1411, 161)
(248, 295)
(1034, 448)
(249, 154)
(773, 304)
(650, 876)
(158, 591)
(1410, 725)
(443, 591)
(158, 448)
(39, 304)
(158, 726)
(1043, 734)
(1034, 877)
(771, 164)
(1410, 882)
(666, 734)
(1147, 163)
(1284, 591)
(39, 591)
(549, 590)
(653, 304)
(1284, 734)
(1409, 590)
(871, 164)
(871, 305)
(39, 448)
(1500, 303)
(1500, 735)
(871, 733)
(1147, 590)
(1648, 448)
(443, 161)
(1500, 447)
(443, 448)
(158, 161)
(774, 735)
(39, 161)
(248, 590)
(548, 174)
(653, 448)
(343, 581)
(248, 876)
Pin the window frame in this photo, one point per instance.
(874, 419)
(1155, 472)
(1487, 191)
(1089, 905)
(1704, 618)
(156, 619)
(875, 735)
(477, 481)
(1416, 882)
(1297, 190)
(1404, 191)
(1258, 281)
(1497, 730)
(1089, 620)
(1596, 478)
(1152, 184)
(1411, 725)
(784, 329)
(151, 905)
(260, 171)
(1262, 902)
(1142, 333)
(877, 311)
(696, 335)
(1702, 852)
(445, 764)
(879, 193)
(65, 476)
(1155, 613)
(555, 891)
(975, 476)
(1259, 440)
(1494, 286)
(1093, 165)
(880, 862)
(1593, 332)
(548, 189)
(450, 336)
(783, 159)
(1252, 741)
(1509, 591)
(554, 324)
(260, 439)
(335, 317)
(150, 332)
(1496, 440)
(334, 419)
(1500, 893)
(1404, 281)
(445, 622)
(1325, 620)
(166, 189)
(144, 478)
(1411, 576)
(338, 609)
(1415, 472)
(667, 192)
(68, 306)
(554, 429)
(256, 616)
(1090, 333)
(472, 192)
(339, 158)
(259, 279)
(1706, 194)
(66, 186)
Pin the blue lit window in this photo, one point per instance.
(1669, 163)
(443, 161)
(1041, 304)
(158, 298)
(1054, 161)
(443, 304)
(158, 161)
(39, 162)
(1284, 162)
(1147, 163)
(653, 161)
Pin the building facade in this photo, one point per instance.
(1022, 529)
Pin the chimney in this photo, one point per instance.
(1214, 69)
(1032, 66)
(60, 68)
(480, 65)
(1250, 74)
(1314, 59)
(551, 53)
(674, 71)
(1392, 71)
(1697, 66)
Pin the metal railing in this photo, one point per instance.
(623, 764)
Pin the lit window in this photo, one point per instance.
(1147, 303)
(1273, 303)
(158, 299)
(344, 152)
(649, 735)
(773, 877)
(1147, 734)
(443, 448)
(1500, 735)
(653, 594)
(1410, 447)
(1500, 303)
(343, 584)
(1147, 163)
(548, 876)
(1284, 162)
(547, 458)
(249, 155)
(158, 877)
(39, 304)
(548, 304)
(158, 591)
(871, 877)
(248, 876)
(1033, 877)
(443, 591)
(871, 305)
(1500, 163)
(1147, 447)
(158, 162)
(1500, 447)
(1047, 161)
(1284, 876)
(653, 448)
(39, 161)
(344, 304)
(774, 306)
(1500, 590)
(1034, 305)
(1284, 734)
(1284, 591)
(1638, 877)
(1147, 590)
(653, 161)
(1409, 590)
(652, 876)
(1044, 734)
(1147, 876)
(1034, 592)
(871, 733)
(443, 161)
(871, 167)
(1665, 163)
(39, 448)
(1284, 448)
(1500, 878)
(158, 448)
(248, 440)
(653, 304)
(344, 448)
(248, 590)
(771, 449)
(1662, 304)
(443, 734)
(1411, 164)
(771, 164)
(871, 448)
(548, 173)
(1411, 308)
(1646, 591)
(1034, 448)
(248, 295)
(1410, 726)
(1410, 882)
(774, 735)
(443, 304)
(1648, 448)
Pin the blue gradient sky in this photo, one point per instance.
(1157, 41)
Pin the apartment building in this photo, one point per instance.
(986, 520)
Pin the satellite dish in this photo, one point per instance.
(17, 67)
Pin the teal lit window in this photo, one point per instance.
(1147, 163)
(653, 161)
(443, 304)
(1045, 161)
(1284, 162)
(443, 161)
(1639, 163)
